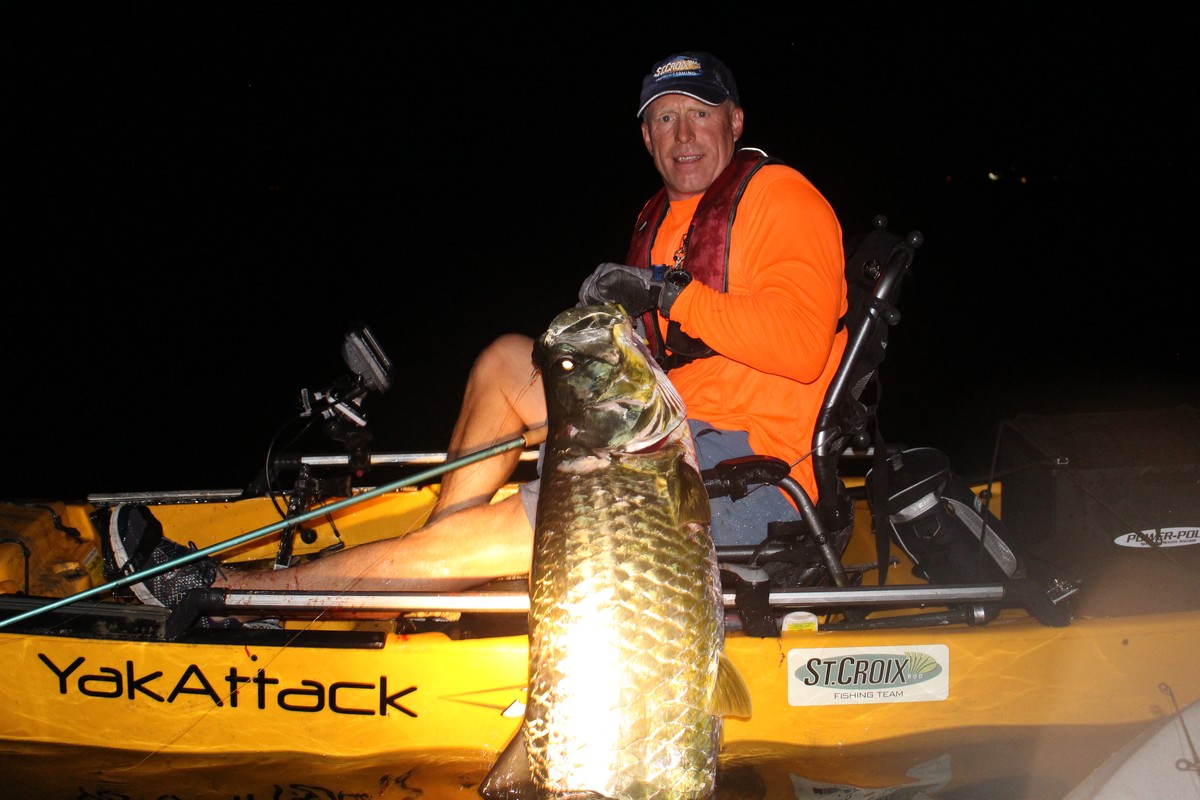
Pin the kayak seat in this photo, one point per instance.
(807, 552)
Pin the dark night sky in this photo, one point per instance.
(199, 198)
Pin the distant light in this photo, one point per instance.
(992, 176)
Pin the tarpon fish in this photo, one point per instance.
(628, 683)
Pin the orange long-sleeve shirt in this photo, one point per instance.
(776, 327)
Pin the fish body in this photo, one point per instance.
(627, 683)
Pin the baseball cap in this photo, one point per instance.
(698, 75)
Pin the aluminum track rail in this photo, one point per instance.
(517, 601)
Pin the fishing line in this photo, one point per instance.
(791, 466)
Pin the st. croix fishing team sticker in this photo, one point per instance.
(834, 676)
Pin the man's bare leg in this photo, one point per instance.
(467, 540)
(458, 551)
(503, 399)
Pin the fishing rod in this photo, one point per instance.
(528, 439)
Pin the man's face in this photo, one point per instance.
(690, 141)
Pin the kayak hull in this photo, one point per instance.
(366, 694)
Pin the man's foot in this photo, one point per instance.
(137, 543)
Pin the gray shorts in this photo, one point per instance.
(741, 522)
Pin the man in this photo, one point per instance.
(736, 265)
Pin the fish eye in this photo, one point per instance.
(566, 364)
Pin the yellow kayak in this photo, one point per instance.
(356, 692)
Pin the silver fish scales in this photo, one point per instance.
(627, 678)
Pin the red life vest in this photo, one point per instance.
(706, 251)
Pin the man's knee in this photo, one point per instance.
(509, 354)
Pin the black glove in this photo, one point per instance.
(632, 287)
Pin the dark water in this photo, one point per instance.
(1030, 304)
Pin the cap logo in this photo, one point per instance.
(677, 66)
